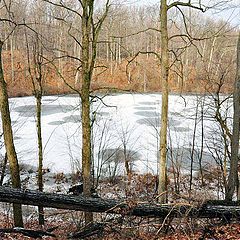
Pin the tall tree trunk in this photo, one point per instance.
(86, 121)
(193, 150)
(12, 59)
(37, 82)
(8, 141)
(233, 175)
(162, 187)
(40, 155)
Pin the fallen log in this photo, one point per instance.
(220, 209)
(27, 232)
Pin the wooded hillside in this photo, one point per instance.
(127, 52)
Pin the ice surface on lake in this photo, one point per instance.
(132, 120)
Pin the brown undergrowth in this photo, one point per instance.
(135, 188)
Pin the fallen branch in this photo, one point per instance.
(27, 232)
(210, 209)
(88, 231)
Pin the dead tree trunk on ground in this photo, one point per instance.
(210, 209)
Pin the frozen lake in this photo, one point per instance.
(130, 120)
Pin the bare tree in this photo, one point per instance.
(6, 122)
(165, 67)
(8, 141)
(36, 72)
(233, 182)
(86, 37)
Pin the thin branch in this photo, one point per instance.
(136, 33)
(64, 6)
(101, 100)
(144, 53)
(61, 76)
(188, 4)
(71, 35)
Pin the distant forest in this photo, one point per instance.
(201, 49)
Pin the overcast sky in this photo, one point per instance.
(231, 14)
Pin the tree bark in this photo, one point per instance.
(40, 153)
(4, 166)
(162, 187)
(233, 175)
(85, 95)
(210, 209)
(12, 58)
(8, 141)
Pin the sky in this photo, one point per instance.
(229, 13)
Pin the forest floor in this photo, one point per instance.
(140, 188)
(140, 229)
